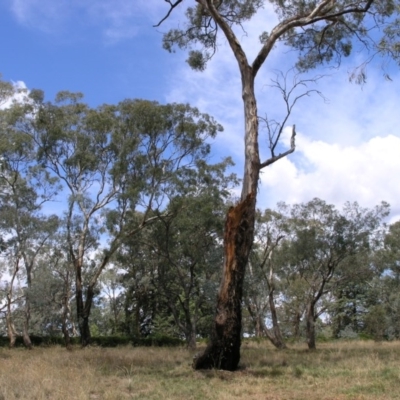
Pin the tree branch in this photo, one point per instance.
(237, 49)
(318, 14)
(278, 157)
(173, 5)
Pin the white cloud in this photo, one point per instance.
(20, 92)
(367, 173)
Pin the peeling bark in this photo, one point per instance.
(223, 352)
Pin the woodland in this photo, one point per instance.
(113, 222)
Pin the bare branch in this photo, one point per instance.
(172, 6)
(275, 129)
(279, 156)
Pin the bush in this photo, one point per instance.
(102, 341)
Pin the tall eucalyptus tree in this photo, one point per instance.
(322, 32)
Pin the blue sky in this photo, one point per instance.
(348, 145)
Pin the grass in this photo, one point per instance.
(336, 371)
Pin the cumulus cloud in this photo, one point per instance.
(367, 173)
(20, 92)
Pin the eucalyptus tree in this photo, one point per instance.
(382, 298)
(52, 292)
(264, 283)
(111, 161)
(188, 245)
(7, 90)
(24, 188)
(322, 249)
(174, 268)
(322, 32)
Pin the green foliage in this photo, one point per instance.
(321, 32)
(101, 341)
(173, 290)
(201, 29)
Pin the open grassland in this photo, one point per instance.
(353, 370)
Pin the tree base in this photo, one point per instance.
(219, 356)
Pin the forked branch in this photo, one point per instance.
(172, 6)
(274, 128)
(281, 155)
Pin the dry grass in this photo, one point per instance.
(356, 370)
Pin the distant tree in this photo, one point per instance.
(382, 317)
(180, 252)
(188, 245)
(111, 160)
(322, 32)
(263, 282)
(52, 292)
(322, 250)
(24, 187)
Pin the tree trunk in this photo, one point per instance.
(223, 351)
(65, 332)
(66, 312)
(25, 333)
(192, 330)
(83, 312)
(11, 331)
(84, 326)
(310, 324)
(276, 338)
(260, 328)
(296, 324)
(191, 340)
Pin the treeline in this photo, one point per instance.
(112, 220)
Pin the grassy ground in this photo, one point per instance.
(354, 370)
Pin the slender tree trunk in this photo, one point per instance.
(277, 338)
(192, 331)
(191, 340)
(259, 326)
(66, 311)
(11, 331)
(25, 332)
(223, 351)
(65, 331)
(256, 316)
(295, 322)
(83, 308)
(84, 326)
(310, 324)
